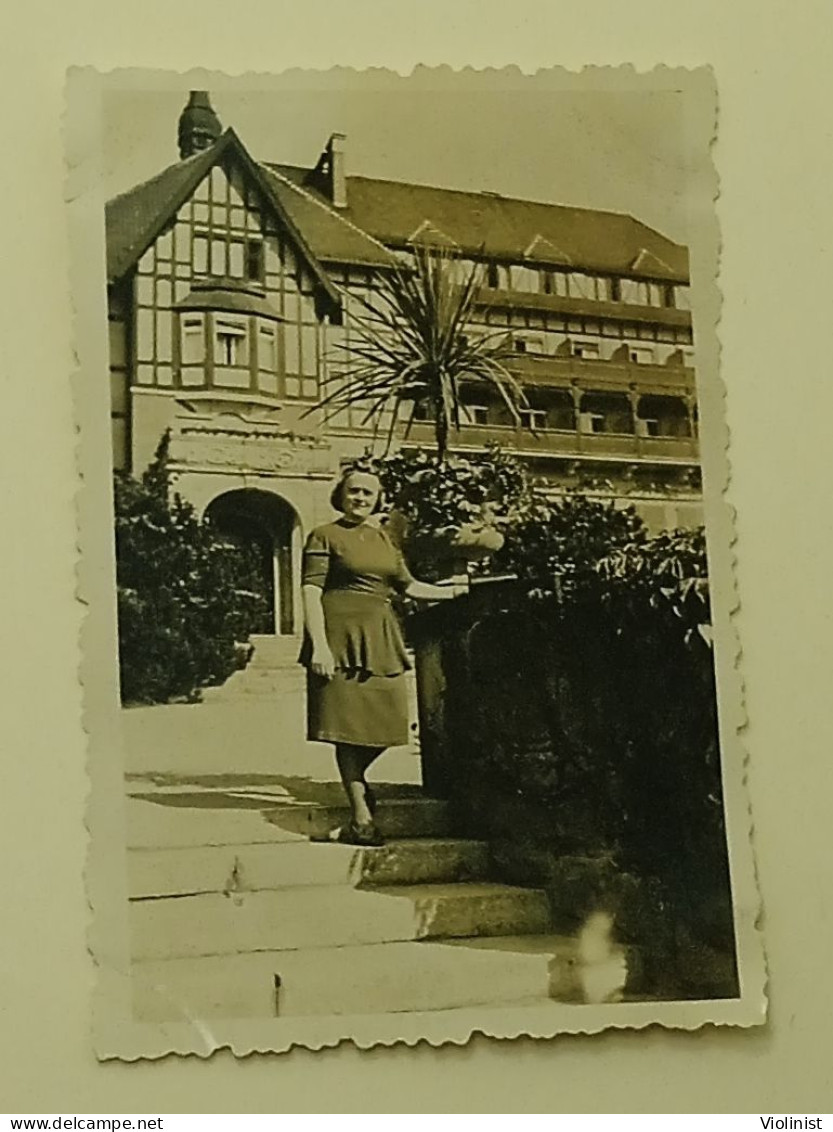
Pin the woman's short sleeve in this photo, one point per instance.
(403, 576)
(316, 560)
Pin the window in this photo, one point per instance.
(526, 279)
(633, 291)
(529, 344)
(641, 355)
(554, 283)
(498, 276)
(309, 359)
(582, 286)
(254, 260)
(589, 350)
(200, 255)
(647, 426)
(231, 342)
(682, 296)
(592, 422)
(218, 257)
(533, 419)
(236, 257)
(476, 414)
(267, 348)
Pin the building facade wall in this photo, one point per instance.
(607, 365)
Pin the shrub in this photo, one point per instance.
(556, 547)
(187, 599)
(440, 497)
(602, 703)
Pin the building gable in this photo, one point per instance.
(430, 236)
(647, 263)
(543, 249)
(136, 219)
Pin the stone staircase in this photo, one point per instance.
(272, 670)
(243, 908)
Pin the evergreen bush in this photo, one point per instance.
(187, 597)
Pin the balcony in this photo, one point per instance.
(587, 373)
(568, 443)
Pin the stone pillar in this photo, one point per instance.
(691, 410)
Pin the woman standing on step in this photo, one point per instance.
(353, 648)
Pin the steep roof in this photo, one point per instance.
(507, 228)
(135, 218)
(329, 233)
(382, 212)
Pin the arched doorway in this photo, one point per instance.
(269, 526)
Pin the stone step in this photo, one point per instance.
(248, 868)
(375, 978)
(579, 969)
(159, 823)
(396, 818)
(258, 682)
(274, 649)
(329, 916)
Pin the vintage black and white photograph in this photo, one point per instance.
(413, 710)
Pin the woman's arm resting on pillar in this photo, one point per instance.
(424, 591)
(322, 663)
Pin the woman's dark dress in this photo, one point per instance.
(365, 703)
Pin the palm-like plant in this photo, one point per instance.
(413, 347)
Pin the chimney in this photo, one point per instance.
(199, 126)
(329, 174)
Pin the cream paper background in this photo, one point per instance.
(773, 154)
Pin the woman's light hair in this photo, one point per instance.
(337, 494)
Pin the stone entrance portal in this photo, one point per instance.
(270, 526)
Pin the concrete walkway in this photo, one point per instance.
(256, 742)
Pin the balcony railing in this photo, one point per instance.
(591, 373)
(564, 442)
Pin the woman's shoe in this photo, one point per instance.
(366, 835)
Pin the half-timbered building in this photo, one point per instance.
(231, 284)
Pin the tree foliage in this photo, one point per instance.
(187, 598)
